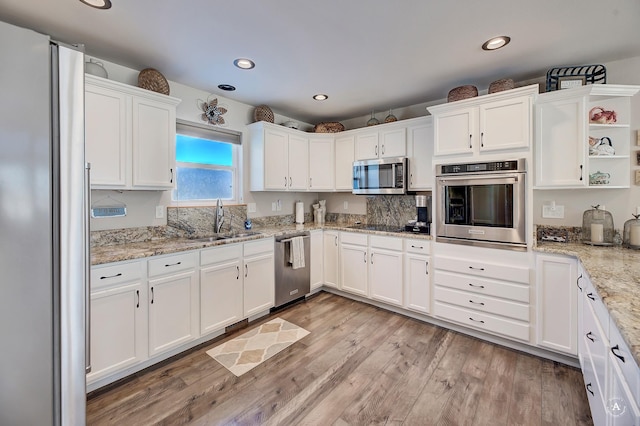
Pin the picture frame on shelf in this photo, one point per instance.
(570, 81)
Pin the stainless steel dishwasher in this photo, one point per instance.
(291, 284)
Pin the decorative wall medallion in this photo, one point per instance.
(212, 112)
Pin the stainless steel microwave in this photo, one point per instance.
(380, 176)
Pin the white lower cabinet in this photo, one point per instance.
(259, 280)
(486, 289)
(385, 269)
(173, 302)
(118, 319)
(417, 276)
(317, 255)
(354, 262)
(557, 303)
(221, 287)
(330, 257)
(611, 375)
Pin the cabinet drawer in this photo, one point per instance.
(387, 243)
(518, 292)
(601, 313)
(103, 276)
(353, 238)
(596, 344)
(174, 263)
(482, 321)
(490, 305)
(417, 246)
(258, 247)
(624, 359)
(220, 254)
(483, 269)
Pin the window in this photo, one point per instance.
(206, 164)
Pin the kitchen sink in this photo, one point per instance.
(227, 236)
(241, 234)
(208, 239)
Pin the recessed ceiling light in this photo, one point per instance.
(496, 43)
(320, 97)
(227, 87)
(243, 63)
(98, 4)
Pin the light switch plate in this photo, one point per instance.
(553, 212)
(251, 208)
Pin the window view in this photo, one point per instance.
(205, 166)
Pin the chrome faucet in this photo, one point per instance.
(219, 216)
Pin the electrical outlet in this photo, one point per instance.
(346, 205)
(553, 211)
(274, 206)
(251, 208)
(159, 212)
(278, 205)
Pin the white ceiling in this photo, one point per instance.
(365, 54)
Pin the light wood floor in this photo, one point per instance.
(359, 365)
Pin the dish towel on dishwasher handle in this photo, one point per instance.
(296, 252)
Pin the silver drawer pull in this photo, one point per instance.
(418, 247)
(476, 269)
(111, 276)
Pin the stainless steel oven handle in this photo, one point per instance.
(515, 177)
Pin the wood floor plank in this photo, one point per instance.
(525, 407)
(557, 403)
(493, 405)
(359, 365)
(436, 393)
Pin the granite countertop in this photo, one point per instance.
(138, 250)
(615, 274)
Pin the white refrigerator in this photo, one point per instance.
(44, 238)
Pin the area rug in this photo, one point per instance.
(244, 352)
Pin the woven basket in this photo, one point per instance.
(263, 113)
(330, 127)
(502, 84)
(151, 79)
(462, 92)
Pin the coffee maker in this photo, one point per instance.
(422, 224)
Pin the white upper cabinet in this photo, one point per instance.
(499, 122)
(386, 141)
(279, 158)
(344, 157)
(564, 135)
(321, 163)
(130, 136)
(420, 153)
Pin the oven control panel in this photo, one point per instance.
(493, 166)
